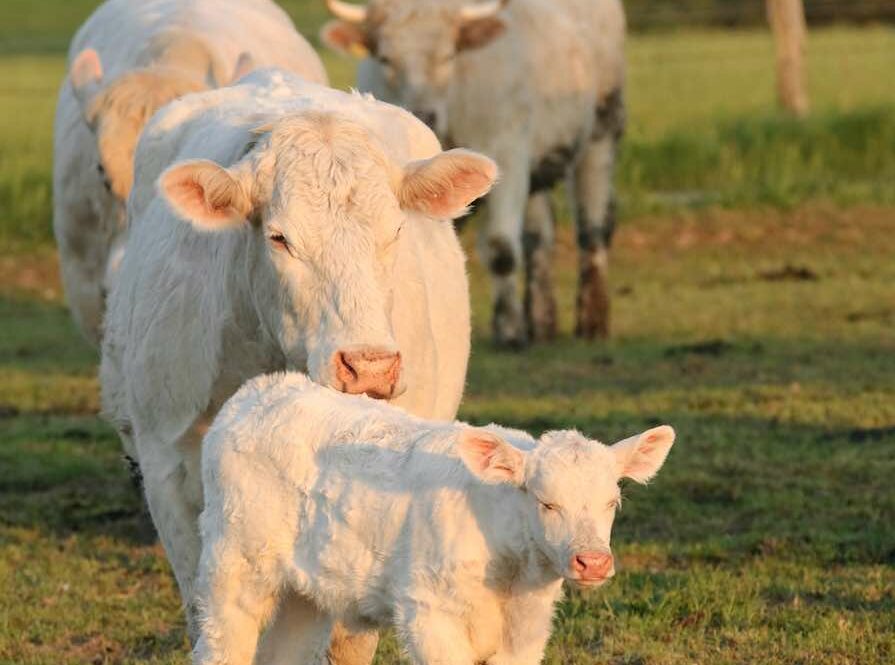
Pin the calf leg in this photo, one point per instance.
(434, 637)
(301, 634)
(595, 208)
(501, 249)
(537, 243)
(234, 603)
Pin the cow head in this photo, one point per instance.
(416, 43)
(117, 110)
(571, 490)
(323, 207)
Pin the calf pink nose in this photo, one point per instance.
(593, 566)
(371, 371)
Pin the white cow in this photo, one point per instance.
(536, 85)
(128, 60)
(293, 226)
(460, 537)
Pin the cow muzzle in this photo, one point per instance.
(591, 568)
(372, 371)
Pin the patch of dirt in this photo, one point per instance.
(33, 275)
(790, 273)
(712, 348)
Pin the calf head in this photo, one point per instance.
(571, 490)
(323, 208)
(416, 43)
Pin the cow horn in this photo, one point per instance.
(482, 10)
(347, 11)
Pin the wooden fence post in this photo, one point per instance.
(787, 19)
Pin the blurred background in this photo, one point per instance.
(753, 278)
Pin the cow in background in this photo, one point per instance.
(538, 86)
(128, 60)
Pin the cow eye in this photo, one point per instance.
(279, 241)
(101, 170)
(550, 507)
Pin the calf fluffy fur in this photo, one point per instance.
(459, 537)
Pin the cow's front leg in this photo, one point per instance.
(595, 209)
(172, 483)
(501, 250)
(435, 637)
(537, 243)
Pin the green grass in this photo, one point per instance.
(764, 337)
(753, 310)
(703, 127)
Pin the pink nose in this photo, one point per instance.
(593, 566)
(371, 371)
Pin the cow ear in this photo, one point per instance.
(491, 459)
(344, 37)
(446, 184)
(245, 65)
(640, 457)
(206, 194)
(86, 75)
(480, 32)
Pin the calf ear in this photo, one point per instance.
(206, 194)
(344, 37)
(446, 184)
(490, 458)
(479, 33)
(640, 457)
(86, 75)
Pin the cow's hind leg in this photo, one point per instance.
(501, 247)
(595, 209)
(537, 243)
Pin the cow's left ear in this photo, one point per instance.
(640, 457)
(344, 37)
(446, 184)
(491, 459)
(480, 32)
(86, 76)
(206, 194)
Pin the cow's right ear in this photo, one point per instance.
(206, 194)
(86, 75)
(491, 459)
(446, 184)
(344, 37)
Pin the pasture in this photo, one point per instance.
(754, 310)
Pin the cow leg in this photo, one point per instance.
(537, 243)
(501, 250)
(595, 209)
(172, 481)
(436, 638)
(300, 633)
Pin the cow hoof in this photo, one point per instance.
(592, 320)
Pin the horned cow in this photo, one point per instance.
(538, 86)
(128, 60)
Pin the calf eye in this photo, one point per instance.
(101, 170)
(552, 507)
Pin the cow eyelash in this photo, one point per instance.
(546, 505)
(279, 240)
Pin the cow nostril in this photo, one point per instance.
(346, 363)
(580, 564)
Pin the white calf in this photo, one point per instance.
(459, 537)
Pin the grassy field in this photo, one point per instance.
(754, 311)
